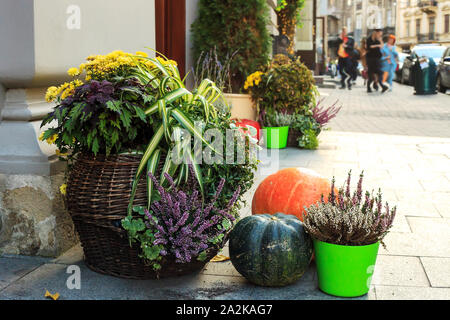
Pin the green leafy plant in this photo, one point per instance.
(209, 66)
(283, 85)
(309, 129)
(233, 26)
(277, 119)
(101, 117)
(174, 108)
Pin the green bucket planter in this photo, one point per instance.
(345, 271)
(276, 137)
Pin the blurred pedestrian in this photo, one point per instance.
(354, 57)
(389, 61)
(345, 50)
(362, 55)
(373, 57)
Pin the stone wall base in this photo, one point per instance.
(33, 217)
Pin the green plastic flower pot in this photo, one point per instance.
(345, 271)
(276, 137)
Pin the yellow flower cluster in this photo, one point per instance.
(253, 80)
(100, 67)
(63, 189)
(64, 90)
(73, 72)
(50, 140)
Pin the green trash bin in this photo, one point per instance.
(425, 74)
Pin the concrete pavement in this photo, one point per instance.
(402, 142)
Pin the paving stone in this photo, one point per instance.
(297, 291)
(13, 268)
(430, 226)
(53, 277)
(411, 293)
(440, 185)
(443, 208)
(71, 256)
(226, 269)
(420, 209)
(399, 271)
(430, 237)
(400, 224)
(437, 270)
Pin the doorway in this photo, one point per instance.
(170, 20)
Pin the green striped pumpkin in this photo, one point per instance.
(270, 250)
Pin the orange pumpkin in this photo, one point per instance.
(289, 191)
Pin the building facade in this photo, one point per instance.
(422, 21)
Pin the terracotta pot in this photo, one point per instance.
(242, 106)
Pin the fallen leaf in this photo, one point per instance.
(53, 296)
(220, 258)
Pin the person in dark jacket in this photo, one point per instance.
(345, 52)
(374, 44)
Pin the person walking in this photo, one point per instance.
(373, 58)
(355, 57)
(362, 55)
(345, 50)
(389, 61)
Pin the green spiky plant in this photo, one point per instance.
(170, 112)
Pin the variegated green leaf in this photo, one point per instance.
(188, 125)
(169, 167)
(152, 166)
(197, 172)
(148, 153)
(168, 98)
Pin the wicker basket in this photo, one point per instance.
(98, 193)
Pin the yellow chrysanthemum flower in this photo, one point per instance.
(142, 54)
(63, 189)
(253, 80)
(41, 136)
(51, 94)
(52, 139)
(73, 72)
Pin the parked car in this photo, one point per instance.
(443, 77)
(431, 51)
(398, 71)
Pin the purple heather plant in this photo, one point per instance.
(350, 219)
(323, 115)
(182, 224)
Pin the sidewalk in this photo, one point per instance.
(403, 144)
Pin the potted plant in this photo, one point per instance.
(306, 126)
(208, 66)
(119, 120)
(276, 129)
(347, 231)
(287, 86)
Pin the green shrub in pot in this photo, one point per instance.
(347, 229)
(276, 128)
